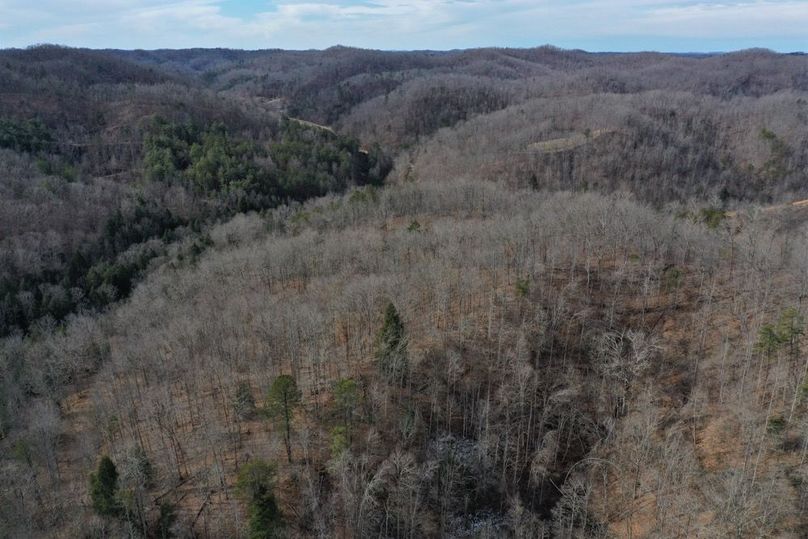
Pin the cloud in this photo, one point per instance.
(729, 19)
(406, 24)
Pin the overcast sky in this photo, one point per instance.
(597, 25)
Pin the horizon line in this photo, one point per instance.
(462, 49)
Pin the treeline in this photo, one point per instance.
(325, 85)
(664, 126)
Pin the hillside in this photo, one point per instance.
(347, 293)
(726, 126)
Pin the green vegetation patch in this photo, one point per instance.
(28, 136)
(304, 162)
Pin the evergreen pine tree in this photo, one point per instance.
(282, 399)
(391, 346)
(103, 488)
(255, 484)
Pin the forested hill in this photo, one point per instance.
(106, 163)
(667, 127)
(354, 293)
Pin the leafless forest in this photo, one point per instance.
(349, 293)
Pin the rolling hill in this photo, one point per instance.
(351, 293)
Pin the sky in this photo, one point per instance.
(595, 25)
